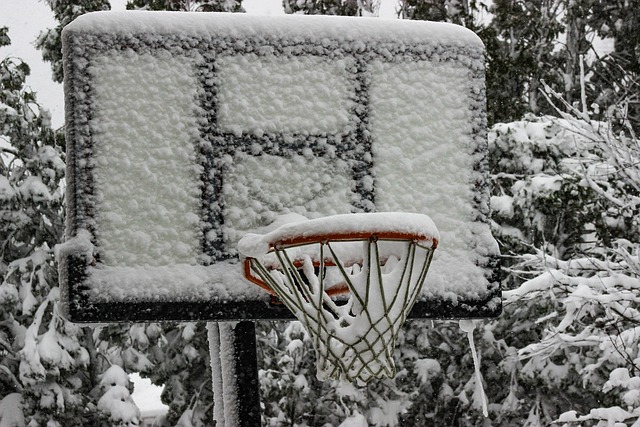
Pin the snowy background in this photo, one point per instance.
(566, 195)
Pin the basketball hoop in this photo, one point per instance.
(350, 279)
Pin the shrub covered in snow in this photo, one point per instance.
(580, 297)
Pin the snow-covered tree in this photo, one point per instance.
(48, 365)
(41, 358)
(528, 42)
(461, 12)
(322, 7)
(581, 307)
(187, 5)
(179, 359)
(64, 11)
(616, 76)
(115, 400)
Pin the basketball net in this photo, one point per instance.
(351, 292)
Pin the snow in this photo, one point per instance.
(314, 187)
(427, 369)
(33, 188)
(502, 205)
(180, 282)
(408, 142)
(153, 148)
(6, 189)
(187, 131)
(153, 283)
(117, 402)
(355, 420)
(420, 226)
(612, 416)
(620, 377)
(386, 414)
(213, 334)
(632, 398)
(11, 414)
(80, 245)
(313, 96)
(351, 29)
(51, 352)
(224, 368)
(114, 376)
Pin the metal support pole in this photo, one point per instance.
(234, 367)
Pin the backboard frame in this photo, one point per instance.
(217, 144)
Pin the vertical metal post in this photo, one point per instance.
(235, 374)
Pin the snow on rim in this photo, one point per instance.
(402, 223)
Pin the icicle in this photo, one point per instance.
(468, 326)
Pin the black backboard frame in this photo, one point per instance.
(79, 51)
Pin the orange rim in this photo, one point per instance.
(341, 288)
(335, 290)
(352, 235)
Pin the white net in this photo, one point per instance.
(352, 309)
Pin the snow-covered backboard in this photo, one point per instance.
(187, 130)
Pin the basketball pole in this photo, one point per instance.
(234, 372)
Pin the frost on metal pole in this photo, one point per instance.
(236, 389)
(189, 132)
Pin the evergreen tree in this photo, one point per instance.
(526, 39)
(64, 11)
(178, 356)
(322, 7)
(616, 76)
(187, 5)
(460, 12)
(531, 42)
(44, 359)
(576, 47)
